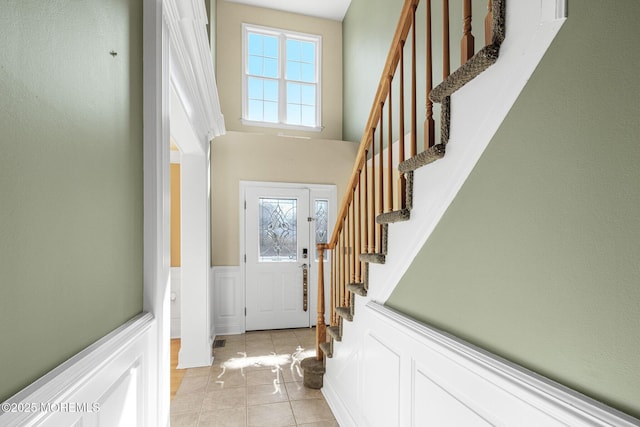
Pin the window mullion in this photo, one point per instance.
(282, 85)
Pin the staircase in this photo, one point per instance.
(377, 194)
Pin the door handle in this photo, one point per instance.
(305, 286)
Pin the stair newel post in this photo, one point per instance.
(321, 328)
(446, 51)
(414, 89)
(381, 172)
(352, 243)
(358, 241)
(429, 124)
(380, 178)
(402, 184)
(351, 251)
(467, 48)
(345, 259)
(390, 148)
(365, 205)
(341, 275)
(372, 212)
(332, 301)
(488, 30)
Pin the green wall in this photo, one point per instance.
(70, 179)
(538, 257)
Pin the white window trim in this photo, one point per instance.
(281, 33)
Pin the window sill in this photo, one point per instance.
(281, 126)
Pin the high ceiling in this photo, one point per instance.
(329, 9)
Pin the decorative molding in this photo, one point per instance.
(192, 74)
(88, 376)
(228, 300)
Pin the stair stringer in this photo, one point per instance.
(477, 110)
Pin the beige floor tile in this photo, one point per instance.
(297, 391)
(223, 399)
(285, 339)
(320, 424)
(292, 375)
(266, 393)
(267, 376)
(184, 420)
(255, 380)
(197, 372)
(187, 402)
(231, 417)
(287, 348)
(223, 356)
(232, 338)
(256, 336)
(272, 414)
(259, 348)
(193, 384)
(226, 378)
(311, 410)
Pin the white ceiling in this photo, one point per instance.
(328, 9)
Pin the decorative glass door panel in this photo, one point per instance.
(278, 230)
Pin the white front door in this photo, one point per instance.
(282, 226)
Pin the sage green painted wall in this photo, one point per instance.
(537, 258)
(70, 179)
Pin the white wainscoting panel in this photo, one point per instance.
(410, 374)
(176, 300)
(381, 391)
(228, 300)
(107, 384)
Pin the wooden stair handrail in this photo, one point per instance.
(400, 36)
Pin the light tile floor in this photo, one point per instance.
(255, 380)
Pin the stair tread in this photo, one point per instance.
(326, 349)
(357, 288)
(479, 62)
(374, 258)
(334, 331)
(393, 216)
(422, 159)
(345, 313)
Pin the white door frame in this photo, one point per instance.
(181, 24)
(330, 189)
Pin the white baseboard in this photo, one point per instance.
(108, 383)
(228, 300)
(390, 370)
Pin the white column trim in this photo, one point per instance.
(156, 219)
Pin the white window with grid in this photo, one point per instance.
(281, 78)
